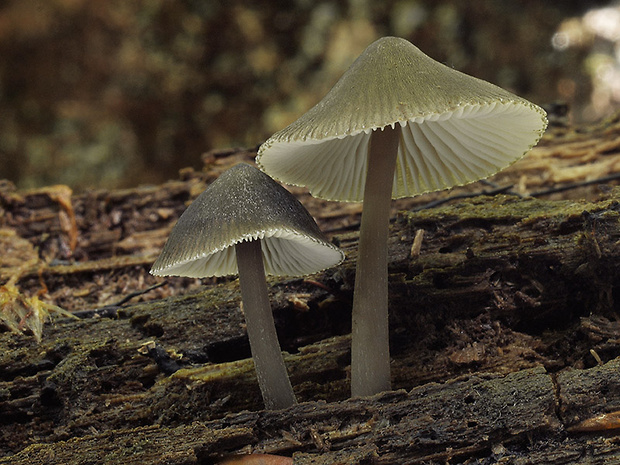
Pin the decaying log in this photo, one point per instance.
(503, 333)
(513, 418)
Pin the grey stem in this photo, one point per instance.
(370, 349)
(271, 372)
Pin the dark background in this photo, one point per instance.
(114, 93)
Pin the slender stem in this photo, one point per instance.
(370, 348)
(270, 369)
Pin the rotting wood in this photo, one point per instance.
(502, 285)
(511, 417)
(91, 375)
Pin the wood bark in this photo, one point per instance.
(504, 339)
(518, 418)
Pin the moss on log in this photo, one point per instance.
(504, 336)
(512, 417)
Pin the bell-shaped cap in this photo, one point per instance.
(456, 129)
(245, 204)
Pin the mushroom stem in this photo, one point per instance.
(271, 372)
(370, 349)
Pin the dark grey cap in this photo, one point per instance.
(245, 204)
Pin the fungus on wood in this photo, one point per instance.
(396, 124)
(246, 223)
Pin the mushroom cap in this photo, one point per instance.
(456, 129)
(244, 204)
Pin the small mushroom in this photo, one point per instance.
(396, 124)
(245, 222)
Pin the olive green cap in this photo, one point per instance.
(245, 204)
(456, 129)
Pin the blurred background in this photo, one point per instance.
(116, 93)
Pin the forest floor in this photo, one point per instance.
(505, 334)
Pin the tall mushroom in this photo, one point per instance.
(245, 222)
(396, 124)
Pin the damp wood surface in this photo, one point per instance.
(504, 331)
(434, 423)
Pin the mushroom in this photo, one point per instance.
(396, 124)
(245, 222)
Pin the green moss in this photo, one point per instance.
(501, 209)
